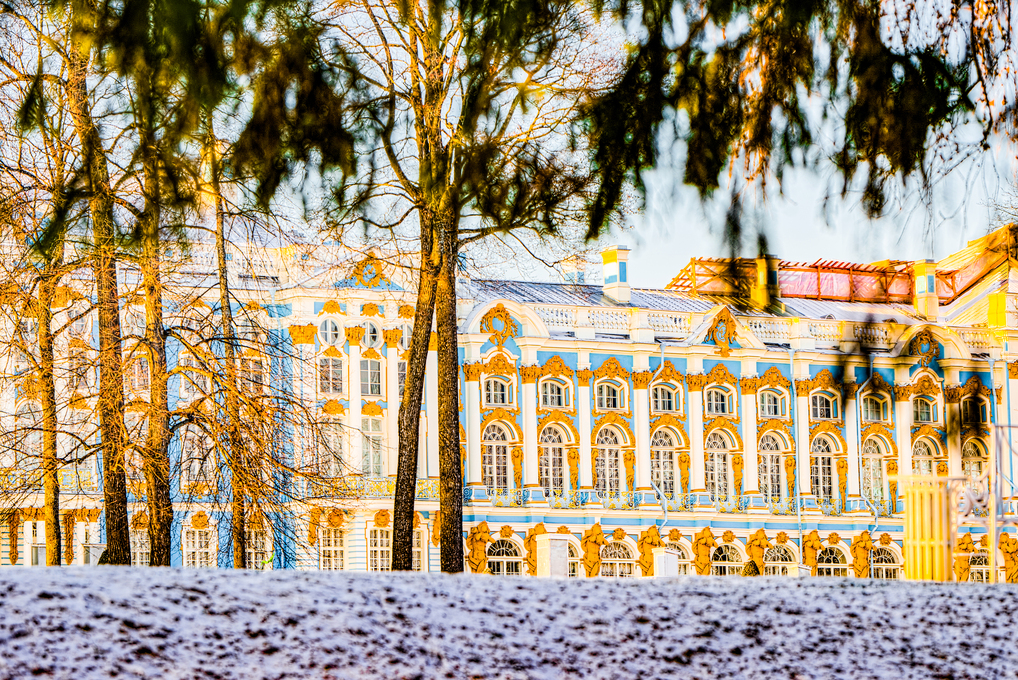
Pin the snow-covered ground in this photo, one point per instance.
(160, 623)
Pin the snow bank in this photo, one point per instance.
(161, 623)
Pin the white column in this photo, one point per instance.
(641, 431)
(802, 444)
(26, 553)
(751, 470)
(903, 432)
(697, 480)
(353, 416)
(583, 415)
(431, 406)
(852, 440)
(529, 406)
(473, 428)
(392, 400)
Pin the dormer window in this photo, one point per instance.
(823, 406)
(497, 392)
(924, 410)
(719, 402)
(973, 411)
(665, 399)
(772, 404)
(874, 409)
(609, 396)
(554, 394)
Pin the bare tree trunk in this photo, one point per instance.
(48, 402)
(231, 401)
(450, 471)
(410, 408)
(104, 265)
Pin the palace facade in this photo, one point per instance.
(752, 411)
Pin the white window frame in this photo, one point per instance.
(547, 397)
(818, 410)
(371, 447)
(199, 548)
(258, 549)
(329, 332)
(504, 558)
(718, 401)
(379, 549)
(331, 375)
(822, 466)
(662, 461)
(925, 461)
(924, 410)
(608, 463)
(495, 457)
(883, 409)
(498, 391)
(828, 567)
(371, 378)
(665, 398)
(552, 460)
(611, 396)
(779, 406)
(372, 335)
(731, 565)
(617, 560)
(331, 549)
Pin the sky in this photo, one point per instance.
(674, 226)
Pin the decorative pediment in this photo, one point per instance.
(331, 351)
(876, 383)
(924, 346)
(824, 380)
(666, 373)
(722, 423)
(559, 418)
(722, 332)
(926, 387)
(371, 353)
(502, 415)
(827, 427)
(720, 375)
(611, 368)
(776, 425)
(884, 433)
(772, 377)
(928, 431)
(499, 364)
(669, 420)
(499, 324)
(619, 422)
(370, 272)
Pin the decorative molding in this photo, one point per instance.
(619, 535)
(406, 312)
(789, 465)
(371, 408)
(591, 544)
(371, 353)
(303, 335)
(472, 372)
(737, 468)
(584, 375)
(200, 520)
(924, 346)
(629, 461)
(559, 418)
(885, 539)
(642, 379)
(477, 542)
(369, 272)
(530, 545)
(499, 364)
(703, 545)
(696, 382)
(722, 332)
(354, 335)
(902, 392)
(503, 415)
(876, 429)
(611, 368)
(942, 468)
(775, 425)
(684, 461)
(720, 375)
(509, 329)
(824, 380)
(331, 307)
(749, 385)
(876, 383)
(928, 430)
(648, 540)
(573, 460)
(433, 342)
(370, 309)
(842, 470)
(833, 538)
(1012, 370)
(666, 373)
(516, 455)
(860, 549)
(555, 366)
(382, 519)
(392, 336)
(722, 423)
(892, 472)
(333, 408)
(669, 420)
(926, 387)
(728, 536)
(827, 427)
(781, 538)
(618, 421)
(506, 532)
(336, 518)
(530, 374)
(772, 377)
(332, 351)
(850, 390)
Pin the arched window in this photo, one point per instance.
(405, 337)
(664, 399)
(717, 466)
(823, 406)
(616, 560)
(874, 409)
(495, 458)
(831, 562)
(821, 468)
(973, 411)
(872, 469)
(924, 410)
(972, 462)
(662, 461)
(329, 332)
(551, 462)
(884, 564)
(683, 557)
(772, 404)
(777, 561)
(554, 394)
(726, 561)
(608, 463)
(609, 396)
(372, 335)
(574, 561)
(770, 468)
(718, 402)
(504, 558)
(496, 392)
(922, 458)
(979, 567)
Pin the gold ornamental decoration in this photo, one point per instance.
(827, 427)
(563, 530)
(200, 520)
(530, 374)
(499, 364)
(303, 335)
(584, 375)
(573, 460)
(811, 545)
(591, 544)
(772, 377)
(333, 408)
(642, 379)
(336, 518)
(722, 332)
(902, 392)
(703, 544)
(331, 351)
(517, 458)
(669, 420)
(728, 537)
(382, 519)
(833, 538)
(555, 366)
(962, 566)
(371, 353)
(629, 461)
(392, 336)
(369, 272)
(684, 461)
(619, 535)
(530, 545)
(506, 532)
(878, 430)
(371, 408)
(696, 382)
(331, 307)
(842, 467)
(790, 474)
(722, 423)
(674, 535)
(406, 312)
(666, 373)
(472, 372)
(775, 425)
(925, 387)
(781, 538)
(749, 385)
(618, 421)
(924, 346)
(354, 335)
(720, 375)
(370, 309)
(504, 416)
(737, 466)
(756, 547)
(928, 431)
(862, 546)
(611, 368)
(649, 539)
(558, 418)
(509, 328)
(824, 380)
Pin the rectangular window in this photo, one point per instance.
(371, 461)
(872, 479)
(770, 477)
(198, 549)
(822, 477)
(552, 395)
(138, 375)
(252, 376)
(371, 378)
(330, 549)
(141, 549)
(664, 399)
(662, 471)
(418, 552)
(496, 392)
(257, 552)
(194, 383)
(607, 397)
(330, 375)
(823, 408)
(379, 550)
(401, 378)
(330, 449)
(716, 473)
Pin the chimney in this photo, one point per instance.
(924, 293)
(616, 280)
(764, 289)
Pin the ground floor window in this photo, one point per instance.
(504, 558)
(379, 550)
(257, 549)
(330, 549)
(141, 549)
(883, 564)
(684, 560)
(831, 562)
(979, 567)
(199, 549)
(778, 561)
(574, 562)
(726, 561)
(616, 560)
(418, 551)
